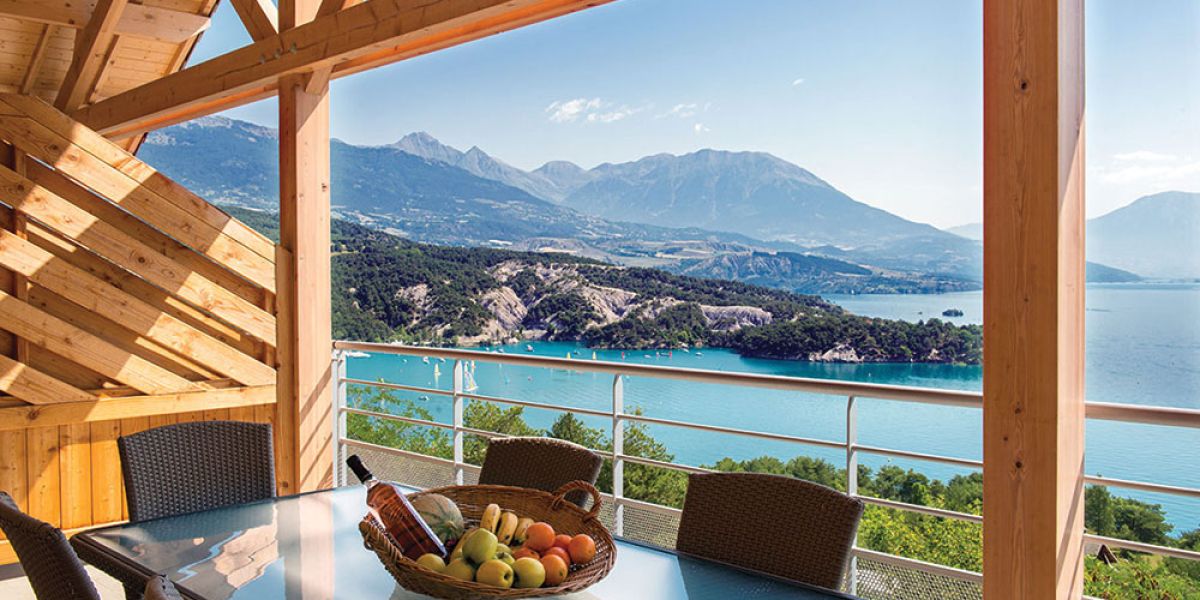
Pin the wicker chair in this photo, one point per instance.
(539, 463)
(53, 569)
(190, 467)
(781, 526)
(161, 588)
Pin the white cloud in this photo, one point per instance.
(566, 111)
(1145, 156)
(683, 111)
(1155, 174)
(700, 128)
(797, 81)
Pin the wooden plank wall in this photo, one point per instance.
(126, 303)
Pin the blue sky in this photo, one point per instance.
(882, 99)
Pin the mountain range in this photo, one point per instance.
(744, 215)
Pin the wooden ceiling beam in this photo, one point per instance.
(35, 62)
(92, 46)
(147, 22)
(260, 17)
(328, 7)
(368, 35)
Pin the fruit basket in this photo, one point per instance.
(472, 501)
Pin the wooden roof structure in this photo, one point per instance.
(127, 302)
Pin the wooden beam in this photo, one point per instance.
(328, 7)
(35, 61)
(58, 214)
(260, 17)
(385, 30)
(92, 45)
(303, 320)
(96, 296)
(35, 387)
(53, 415)
(70, 342)
(1033, 416)
(147, 22)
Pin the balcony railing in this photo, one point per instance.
(850, 448)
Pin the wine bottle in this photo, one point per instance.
(400, 520)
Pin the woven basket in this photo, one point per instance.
(552, 508)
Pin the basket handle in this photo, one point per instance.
(561, 493)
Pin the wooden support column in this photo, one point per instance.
(1033, 417)
(304, 423)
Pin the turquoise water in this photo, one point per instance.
(1143, 348)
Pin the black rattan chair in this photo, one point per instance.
(161, 588)
(539, 463)
(190, 467)
(52, 567)
(777, 525)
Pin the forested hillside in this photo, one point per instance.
(390, 289)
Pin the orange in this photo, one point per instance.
(523, 551)
(556, 569)
(562, 540)
(559, 552)
(583, 549)
(539, 536)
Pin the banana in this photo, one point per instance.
(458, 548)
(490, 518)
(508, 526)
(518, 536)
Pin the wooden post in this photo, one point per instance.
(1033, 417)
(305, 344)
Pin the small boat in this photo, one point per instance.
(470, 382)
(593, 355)
(436, 371)
(425, 359)
(699, 354)
(357, 354)
(529, 347)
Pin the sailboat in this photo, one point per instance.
(593, 355)
(436, 371)
(469, 382)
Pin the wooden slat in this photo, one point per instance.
(148, 22)
(96, 296)
(35, 61)
(117, 277)
(1033, 360)
(13, 467)
(373, 27)
(36, 387)
(75, 456)
(117, 246)
(44, 500)
(139, 189)
(53, 415)
(108, 490)
(92, 46)
(62, 338)
(260, 17)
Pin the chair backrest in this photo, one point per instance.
(190, 467)
(777, 525)
(51, 565)
(539, 463)
(161, 588)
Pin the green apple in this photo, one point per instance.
(481, 547)
(495, 572)
(460, 569)
(504, 553)
(529, 573)
(432, 562)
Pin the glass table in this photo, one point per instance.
(309, 547)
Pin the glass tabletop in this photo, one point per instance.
(309, 546)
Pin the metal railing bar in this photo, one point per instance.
(797, 384)
(1143, 486)
(410, 420)
(398, 452)
(1142, 547)
(948, 460)
(650, 462)
(500, 400)
(743, 432)
(925, 510)
(919, 565)
(399, 386)
(1150, 415)
(649, 506)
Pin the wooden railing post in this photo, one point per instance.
(1033, 299)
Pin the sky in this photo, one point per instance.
(882, 99)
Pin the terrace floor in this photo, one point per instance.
(14, 586)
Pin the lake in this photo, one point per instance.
(1143, 347)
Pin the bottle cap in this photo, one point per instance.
(356, 465)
